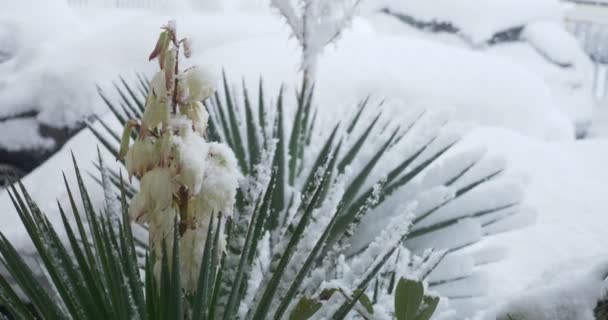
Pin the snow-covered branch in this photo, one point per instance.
(315, 24)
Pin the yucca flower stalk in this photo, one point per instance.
(183, 178)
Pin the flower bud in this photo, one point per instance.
(125, 139)
(198, 114)
(157, 186)
(170, 62)
(223, 157)
(138, 210)
(156, 114)
(183, 92)
(187, 47)
(160, 229)
(191, 246)
(141, 157)
(162, 44)
(189, 164)
(159, 89)
(171, 26)
(200, 84)
(220, 183)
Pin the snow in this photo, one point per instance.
(414, 70)
(562, 51)
(544, 48)
(570, 85)
(568, 183)
(571, 88)
(570, 292)
(491, 16)
(52, 79)
(23, 134)
(315, 24)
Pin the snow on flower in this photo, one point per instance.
(199, 83)
(156, 114)
(184, 178)
(141, 157)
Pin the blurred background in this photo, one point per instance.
(562, 45)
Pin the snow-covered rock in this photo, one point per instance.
(531, 34)
(45, 185)
(491, 16)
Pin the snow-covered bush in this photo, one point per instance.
(274, 259)
(389, 186)
(530, 34)
(346, 204)
(455, 201)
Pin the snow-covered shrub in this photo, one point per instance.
(531, 35)
(315, 24)
(364, 187)
(388, 182)
(276, 255)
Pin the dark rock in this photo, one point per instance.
(17, 163)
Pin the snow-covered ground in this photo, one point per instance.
(513, 95)
(568, 186)
(531, 34)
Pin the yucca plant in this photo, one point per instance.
(97, 274)
(345, 206)
(375, 176)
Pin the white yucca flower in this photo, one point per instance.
(221, 180)
(200, 84)
(141, 157)
(184, 179)
(156, 114)
(160, 231)
(138, 208)
(189, 161)
(157, 187)
(157, 84)
(191, 246)
(199, 115)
